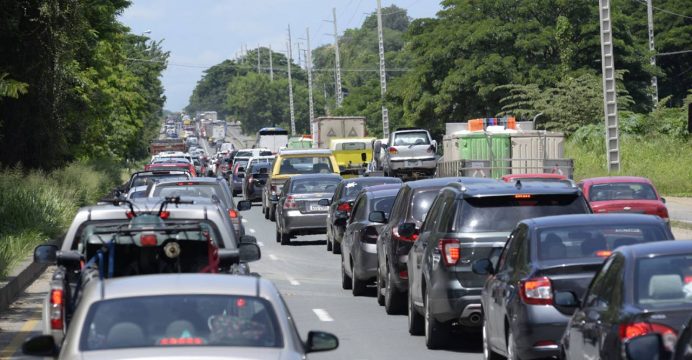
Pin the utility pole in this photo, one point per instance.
(654, 80)
(312, 106)
(300, 60)
(383, 73)
(610, 106)
(259, 62)
(290, 86)
(337, 62)
(271, 65)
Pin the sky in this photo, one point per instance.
(202, 33)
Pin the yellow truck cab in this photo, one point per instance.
(295, 162)
(352, 154)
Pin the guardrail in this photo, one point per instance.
(498, 167)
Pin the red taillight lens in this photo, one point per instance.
(165, 215)
(392, 150)
(290, 203)
(130, 214)
(148, 240)
(403, 274)
(233, 214)
(629, 331)
(450, 249)
(344, 207)
(663, 213)
(395, 234)
(537, 291)
(56, 309)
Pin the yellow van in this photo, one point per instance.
(352, 154)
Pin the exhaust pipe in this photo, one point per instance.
(475, 318)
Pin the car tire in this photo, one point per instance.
(415, 320)
(488, 353)
(278, 236)
(380, 288)
(329, 245)
(394, 300)
(346, 281)
(266, 212)
(436, 333)
(511, 346)
(358, 287)
(285, 239)
(272, 213)
(336, 247)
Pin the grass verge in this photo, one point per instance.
(681, 224)
(37, 206)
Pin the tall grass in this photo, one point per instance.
(36, 206)
(666, 160)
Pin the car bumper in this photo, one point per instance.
(365, 266)
(451, 302)
(536, 324)
(296, 222)
(255, 195)
(413, 164)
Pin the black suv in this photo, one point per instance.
(341, 204)
(411, 205)
(467, 222)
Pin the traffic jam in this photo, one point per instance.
(526, 263)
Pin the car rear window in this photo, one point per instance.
(571, 242)
(664, 281)
(180, 320)
(351, 146)
(622, 191)
(383, 204)
(421, 203)
(148, 179)
(502, 213)
(309, 186)
(306, 165)
(352, 188)
(187, 189)
(244, 154)
(411, 138)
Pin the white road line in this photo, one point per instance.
(260, 243)
(252, 231)
(273, 257)
(244, 220)
(293, 281)
(322, 314)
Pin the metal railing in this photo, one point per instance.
(499, 167)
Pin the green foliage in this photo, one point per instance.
(42, 205)
(11, 88)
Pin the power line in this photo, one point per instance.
(666, 11)
(674, 53)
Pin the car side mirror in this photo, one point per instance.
(377, 217)
(645, 347)
(321, 341)
(565, 299)
(41, 345)
(663, 200)
(228, 257)
(248, 239)
(483, 267)
(407, 229)
(341, 221)
(324, 202)
(244, 205)
(46, 254)
(249, 251)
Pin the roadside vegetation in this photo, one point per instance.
(38, 206)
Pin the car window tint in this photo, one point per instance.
(400, 205)
(309, 186)
(306, 165)
(191, 190)
(352, 146)
(597, 293)
(421, 203)
(664, 281)
(352, 188)
(382, 204)
(502, 264)
(622, 191)
(447, 217)
(359, 209)
(432, 218)
(180, 320)
(411, 138)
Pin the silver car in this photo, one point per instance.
(411, 153)
(298, 211)
(182, 316)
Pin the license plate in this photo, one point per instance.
(413, 163)
(318, 208)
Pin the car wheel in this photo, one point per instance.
(278, 236)
(511, 346)
(336, 247)
(415, 320)
(488, 354)
(329, 242)
(266, 212)
(358, 287)
(394, 300)
(345, 279)
(436, 333)
(380, 288)
(272, 213)
(285, 239)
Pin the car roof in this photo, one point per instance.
(373, 179)
(500, 188)
(657, 248)
(440, 182)
(535, 176)
(382, 190)
(316, 176)
(594, 219)
(305, 152)
(612, 179)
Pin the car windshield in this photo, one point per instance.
(189, 189)
(622, 191)
(421, 204)
(306, 165)
(411, 138)
(664, 281)
(590, 241)
(502, 213)
(309, 186)
(181, 320)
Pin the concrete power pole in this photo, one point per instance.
(610, 105)
(290, 85)
(259, 62)
(654, 80)
(271, 65)
(337, 62)
(312, 106)
(383, 73)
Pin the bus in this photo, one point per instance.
(272, 138)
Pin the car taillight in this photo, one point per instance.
(56, 309)
(662, 212)
(165, 215)
(392, 150)
(233, 214)
(450, 250)
(344, 207)
(632, 330)
(148, 240)
(395, 234)
(290, 203)
(537, 291)
(370, 235)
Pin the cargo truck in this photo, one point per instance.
(218, 130)
(161, 145)
(326, 128)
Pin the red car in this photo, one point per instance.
(535, 177)
(168, 166)
(628, 194)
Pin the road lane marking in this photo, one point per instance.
(252, 231)
(260, 243)
(273, 257)
(293, 281)
(244, 220)
(323, 315)
(18, 339)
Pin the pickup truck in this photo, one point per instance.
(410, 154)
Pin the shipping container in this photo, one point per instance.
(530, 149)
